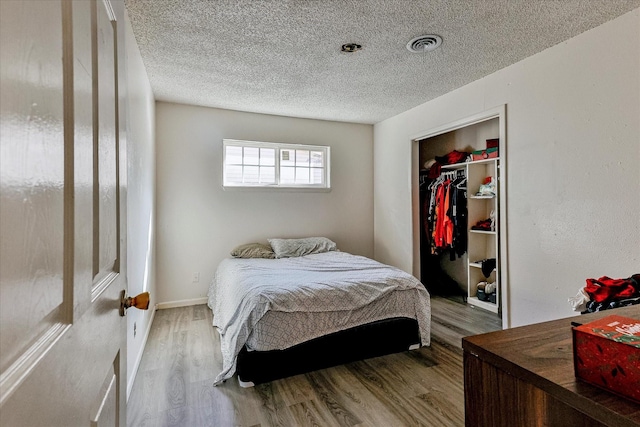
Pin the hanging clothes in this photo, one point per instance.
(459, 217)
(444, 213)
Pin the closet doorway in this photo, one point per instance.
(459, 211)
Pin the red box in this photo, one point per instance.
(493, 142)
(489, 153)
(606, 353)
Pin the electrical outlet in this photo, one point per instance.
(196, 277)
(135, 329)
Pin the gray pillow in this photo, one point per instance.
(286, 248)
(253, 250)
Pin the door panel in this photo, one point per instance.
(83, 154)
(105, 406)
(31, 176)
(63, 347)
(105, 185)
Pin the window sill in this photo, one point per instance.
(278, 189)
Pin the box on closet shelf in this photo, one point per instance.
(489, 153)
(493, 143)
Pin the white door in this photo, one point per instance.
(62, 213)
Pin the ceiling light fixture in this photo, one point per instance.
(350, 47)
(425, 43)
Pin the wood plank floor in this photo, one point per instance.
(173, 386)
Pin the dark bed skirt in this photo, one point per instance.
(361, 342)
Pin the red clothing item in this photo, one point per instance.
(448, 224)
(606, 288)
(452, 157)
(441, 213)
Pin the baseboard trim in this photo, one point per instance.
(132, 378)
(181, 303)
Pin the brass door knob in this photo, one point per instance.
(140, 302)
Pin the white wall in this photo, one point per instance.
(140, 198)
(199, 222)
(573, 150)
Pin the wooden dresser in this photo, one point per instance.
(524, 377)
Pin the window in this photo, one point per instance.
(268, 164)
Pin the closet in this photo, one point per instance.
(460, 237)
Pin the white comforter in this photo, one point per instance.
(244, 290)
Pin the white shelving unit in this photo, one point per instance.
(482, 244)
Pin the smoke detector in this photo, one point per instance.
(351, 47)
(424, 43)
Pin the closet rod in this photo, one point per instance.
(452, 174)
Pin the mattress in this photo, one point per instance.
(267, 304)
(278, 330)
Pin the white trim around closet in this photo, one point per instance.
(496, 112)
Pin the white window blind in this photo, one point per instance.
(270, 164)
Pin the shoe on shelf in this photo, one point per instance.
(490, 288)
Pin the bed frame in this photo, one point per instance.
(361, 342)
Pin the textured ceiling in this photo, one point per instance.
(283, 56)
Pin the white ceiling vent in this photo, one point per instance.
(425, 43)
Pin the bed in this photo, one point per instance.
(293, 314)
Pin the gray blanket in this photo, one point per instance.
(339, 289)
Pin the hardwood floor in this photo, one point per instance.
(450, 321)
(173, 386)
